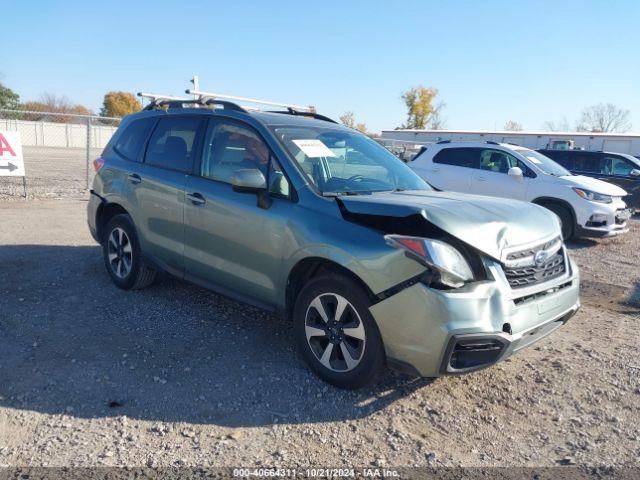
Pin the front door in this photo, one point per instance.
(232, 244)
(492, 177)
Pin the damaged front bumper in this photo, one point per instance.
(432, 332)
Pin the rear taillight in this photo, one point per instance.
(98, 163)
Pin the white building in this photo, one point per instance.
(609, 142)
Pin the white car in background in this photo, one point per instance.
(587, 207)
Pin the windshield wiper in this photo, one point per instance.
(346, 193)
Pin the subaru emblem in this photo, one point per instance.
(540, 258)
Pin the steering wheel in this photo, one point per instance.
(353, 178)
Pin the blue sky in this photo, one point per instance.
(492, 60)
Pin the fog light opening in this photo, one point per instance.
(506, 328)
(475, 353)
(597, 220)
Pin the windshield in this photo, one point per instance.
(343, 162)
(631, 158)
(545, 164)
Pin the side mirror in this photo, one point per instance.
(248, 180)
(515, 173)
(635, 172)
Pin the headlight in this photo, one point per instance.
(593, 196)
(443, 258)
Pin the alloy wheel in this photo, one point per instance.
(119, 252)
(335, 332)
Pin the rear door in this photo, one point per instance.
(449, 169)
(492, 177)
(159, 188)
(562, 157)
(586, 163)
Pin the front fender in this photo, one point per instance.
(379, 266)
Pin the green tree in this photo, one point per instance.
(349, 119)
(8, 98)
(119, 104)
(50, 104)
(420, 106)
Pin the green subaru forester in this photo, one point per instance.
(298, 215)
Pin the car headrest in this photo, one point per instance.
(176, 148)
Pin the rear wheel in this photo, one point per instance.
(335, 332)
(566, 219)
(122, 255)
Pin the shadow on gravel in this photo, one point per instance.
(72, 343)
(580, 243)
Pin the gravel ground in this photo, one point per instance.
(174, 375)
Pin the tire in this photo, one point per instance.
(565, 216)
(123, 257)
(355, 333)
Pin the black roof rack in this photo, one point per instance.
(491, 142)
(159, 102)
(443, 141)
(291, 111)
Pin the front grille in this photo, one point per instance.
(531, 251)
(622, 215)
(528, 275)
(534, 296)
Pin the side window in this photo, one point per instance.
(130, 143)
(584, 162)
(500, 162)
(617, 166)
(459, 157)
(230, 146)
(172, 144)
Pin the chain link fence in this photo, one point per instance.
(58, 150)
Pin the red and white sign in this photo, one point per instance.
(11, 160)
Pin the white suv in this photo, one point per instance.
(587, 207)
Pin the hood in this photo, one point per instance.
(488, 224)
(594, 185)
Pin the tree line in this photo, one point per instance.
(424, 111)
(114, 104)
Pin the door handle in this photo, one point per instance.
(481, 179)
(196, 198)
(134, 178)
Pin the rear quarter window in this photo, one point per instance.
(459, 157)
(130, 143)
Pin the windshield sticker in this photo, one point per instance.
(534, 160)
(314, 148)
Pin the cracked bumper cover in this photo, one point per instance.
(433, 332)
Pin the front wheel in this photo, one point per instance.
(335, 332)
(566, 219)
